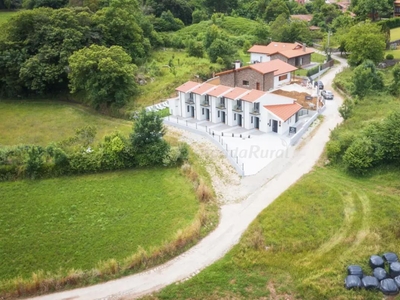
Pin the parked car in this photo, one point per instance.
(327, 94)
(319, 84)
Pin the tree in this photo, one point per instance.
(279, 27)
(221, 49)
(276, 8)
(147, 142)
(365, 41)
(167, 22)
(106, 75)
(223, 6)
(195, 48)
(179, 8)
(366, 79)
(372, 9)
(395, 85)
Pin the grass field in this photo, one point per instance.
(6, 15)
(299, 247)
(395, 53)
(395, 34)
(75, 222)
(42, 122)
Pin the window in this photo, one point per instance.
(207, 100)
(202, 111)
(238, 104)
(222, 102)
(245, 83)
(283, 77)
(219, 113)
(191, 95)
(188, 108)
(260, 58)
(256, 107)
(234, 117)
(251, 120)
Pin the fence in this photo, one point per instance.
(299, 134)
(217, 139)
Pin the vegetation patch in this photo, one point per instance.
(42, 122)
(6, 15)
(395, 34)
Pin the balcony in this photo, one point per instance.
(205, 103)
(237, 108)
(189, 100)
(255, 112)
(221, 106)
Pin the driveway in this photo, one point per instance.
(235, 218)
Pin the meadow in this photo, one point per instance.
(76, 222)
(43, 122)
(299, 247)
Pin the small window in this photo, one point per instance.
(202, 111)
(246, 83)
(234, 117)
(188, 108)
(283, 77)
(219, 114)
(251, 120)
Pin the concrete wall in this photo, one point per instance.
(175, 106)
(278, 82)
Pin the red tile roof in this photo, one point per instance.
(284, 111)
(219, 91)
(187, 86)
(288, 50)
(276, 65)
(202, 89)
(236, 93)
(306, 18)
(254, 95)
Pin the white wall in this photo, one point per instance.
(279, 83)
(260, 57)
(175, 106)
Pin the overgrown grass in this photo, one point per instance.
(6, 15)
(395, 34)
(76, 222)
(299, 247)
(319, 58)
(42, 122)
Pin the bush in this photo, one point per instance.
(346, 109)
(389, 56)
(360, 156)
(312, 71)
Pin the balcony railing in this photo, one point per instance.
(189, 100)
(255, 112)
(238, 108)
(221, 106)
(205, 103)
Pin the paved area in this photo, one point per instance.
(235, 218)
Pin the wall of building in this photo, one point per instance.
(251, 76)
(227, 79)
(278, 82)
(259, 57)
(279, 56)
(268, 82)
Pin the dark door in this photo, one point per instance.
(223, 116)
(239, 120)
(207, 114)
(192, 111)
(257, 123)
(257, 86)
(274, 125)
(297, 117)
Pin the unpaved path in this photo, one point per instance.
(235, 218)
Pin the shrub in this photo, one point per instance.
(203, 192)
(389, 56)
(360, 156)
(312, 71)
(195, 49)
(346, 109)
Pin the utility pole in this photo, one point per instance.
(327, 50)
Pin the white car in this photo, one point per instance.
(327, 94)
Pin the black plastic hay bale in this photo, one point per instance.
(352, 282)
(390, 257)
(389, 287)
(376, 261)
(380, 273)
(355, 270)
(370, 283)
(394, 269)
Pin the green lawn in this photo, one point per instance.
(395, 34)
(6, 15)
(299, 247)
(395, 53)
(75, 222)
(319, 58)
(43, 122)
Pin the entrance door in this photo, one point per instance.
(297, 117)
(257, 86)
(207, 114)
(192, 111)
(257, 123)
(275, 126)
(239, 120)
(223, 116)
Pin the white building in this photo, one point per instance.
(235, 106)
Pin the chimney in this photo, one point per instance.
(304, 47)
(237, 64)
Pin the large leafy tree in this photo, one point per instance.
(366, 79)
(224, 6)
(365, 41)
(373, 9)
(181, 9)
(276, 8)
(105, 75)
(35, 48)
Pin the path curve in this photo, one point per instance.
(235, 218)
